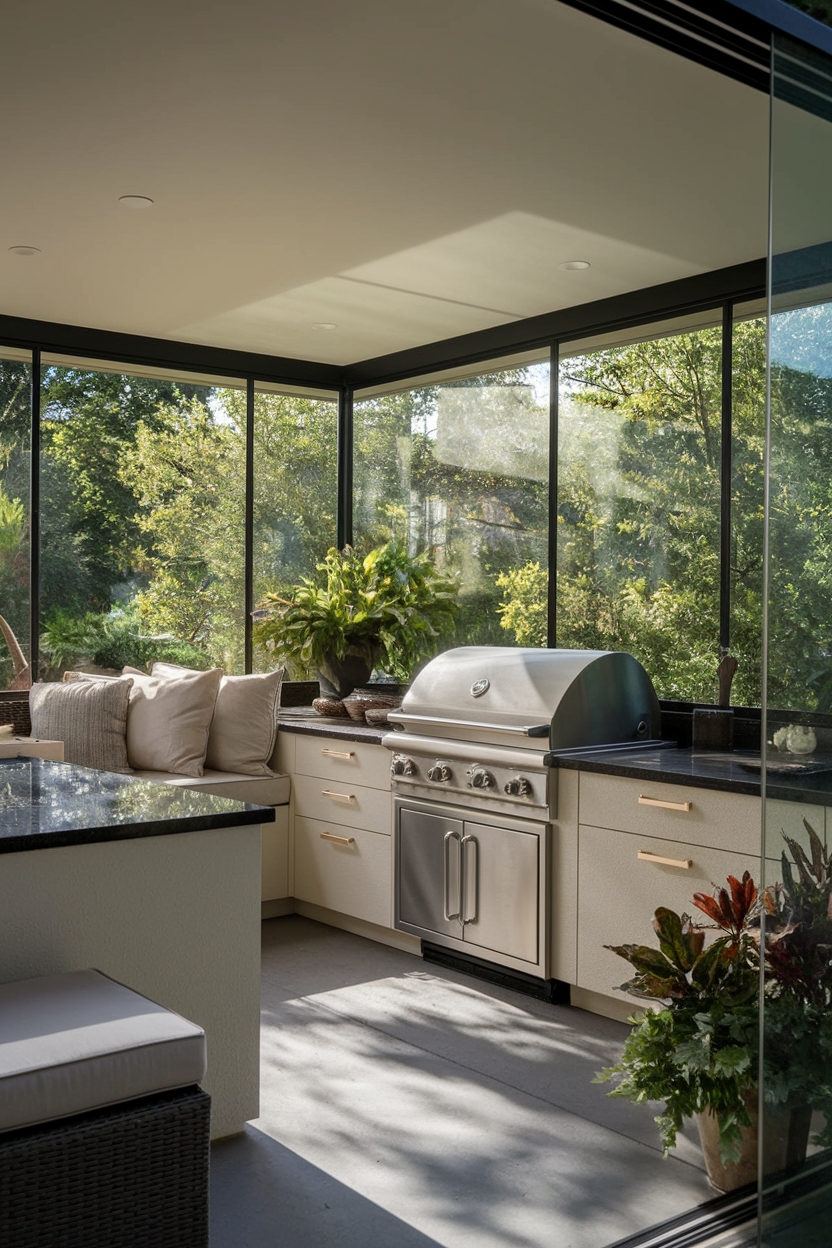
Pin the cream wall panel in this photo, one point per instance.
(618, 894)
(343, 802)
(274, 881)
(717, 819)
(176, 918)
(346, 762)
(564, 881)
(354, 879)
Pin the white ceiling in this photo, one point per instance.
(405, 169)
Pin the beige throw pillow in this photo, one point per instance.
(89, 716)
(244, 727)
(169, 720)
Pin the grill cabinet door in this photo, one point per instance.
(501, 871)
(428, 870)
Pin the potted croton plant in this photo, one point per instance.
(700, 1052)
(385, 608)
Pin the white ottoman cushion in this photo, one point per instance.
(79, 1041)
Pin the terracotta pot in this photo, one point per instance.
(338, 677)
(785, 1139)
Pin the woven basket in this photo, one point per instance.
(14, 709)
(130, 1176)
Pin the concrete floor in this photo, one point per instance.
(408, 1106)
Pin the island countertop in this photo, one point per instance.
(728, 771)
(45, 804)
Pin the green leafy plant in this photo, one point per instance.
(110, 640)
(388, 607)
(701, 1051)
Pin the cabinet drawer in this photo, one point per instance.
(348, 761)
(354, 879)
(619, 893)
(343, 802)
(722, 820)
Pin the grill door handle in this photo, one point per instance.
(446, 900)
(643, 800)
(684, 864)
(469, 849)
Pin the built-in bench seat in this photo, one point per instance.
(262, 790)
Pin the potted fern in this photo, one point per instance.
(387, 607)
(699, 1052)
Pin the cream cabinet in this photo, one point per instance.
(342, 811)
(642, 845)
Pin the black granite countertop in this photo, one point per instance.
(44, 804)
(730, 772)
(305, 720)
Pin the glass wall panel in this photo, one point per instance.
(639, 470)
(797, 1032)
(748, 410)
(460, 468)
(142, 518)
(15, 424)
(295, 490)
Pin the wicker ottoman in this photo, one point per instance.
(118, 1163)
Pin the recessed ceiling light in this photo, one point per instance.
(24, 250)
(324, 325)
(574, 264)
(135, 201)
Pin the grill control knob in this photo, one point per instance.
(440, 773)
(403, 766)
(518, 786)
(480, 778)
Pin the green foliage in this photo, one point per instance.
(701, 1051)
(110, 641)
(524, 611)
(386, 606)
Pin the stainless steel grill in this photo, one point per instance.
(474, 799)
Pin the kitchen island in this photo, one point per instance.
(156, 886)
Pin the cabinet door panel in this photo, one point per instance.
(352, 878)
(685, 813)
(422, 858)
(503, 898)
(618, 894)
(346, 762)
(351, 805)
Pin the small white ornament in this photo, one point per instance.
(779, 739)
(800, 740)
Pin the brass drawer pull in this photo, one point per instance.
(338, 797)
(339, 840)
(657, 801)
(339, 753)
(684, 864)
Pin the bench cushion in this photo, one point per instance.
(80, 1041)
(270, 790)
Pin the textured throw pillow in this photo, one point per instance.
(244, 727)
(169, 720)
(89, 716)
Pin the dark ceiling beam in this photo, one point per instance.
(135, 349)
(739, 282)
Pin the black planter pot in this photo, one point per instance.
(338, 677)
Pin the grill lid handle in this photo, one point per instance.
(521, 730)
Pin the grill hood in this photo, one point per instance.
(532, 699)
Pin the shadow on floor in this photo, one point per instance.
(263, 1194)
